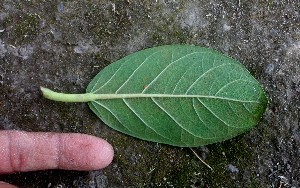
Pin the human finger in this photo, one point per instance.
(28, 151)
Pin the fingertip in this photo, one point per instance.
(105, 153)
(85, 152)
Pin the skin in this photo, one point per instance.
(26, 151)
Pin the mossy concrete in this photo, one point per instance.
(64, 44)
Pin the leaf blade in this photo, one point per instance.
(179, 96)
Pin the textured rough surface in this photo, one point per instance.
(63, 45)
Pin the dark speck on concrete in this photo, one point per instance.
(64, 44)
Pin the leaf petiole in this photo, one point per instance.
(63, 97)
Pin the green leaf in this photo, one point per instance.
(179, 95)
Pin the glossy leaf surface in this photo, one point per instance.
(179, 95)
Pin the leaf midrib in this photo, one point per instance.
(142, 95)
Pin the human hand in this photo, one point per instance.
(28, 151)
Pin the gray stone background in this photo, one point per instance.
(64, 44)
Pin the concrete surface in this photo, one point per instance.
(64, 44)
